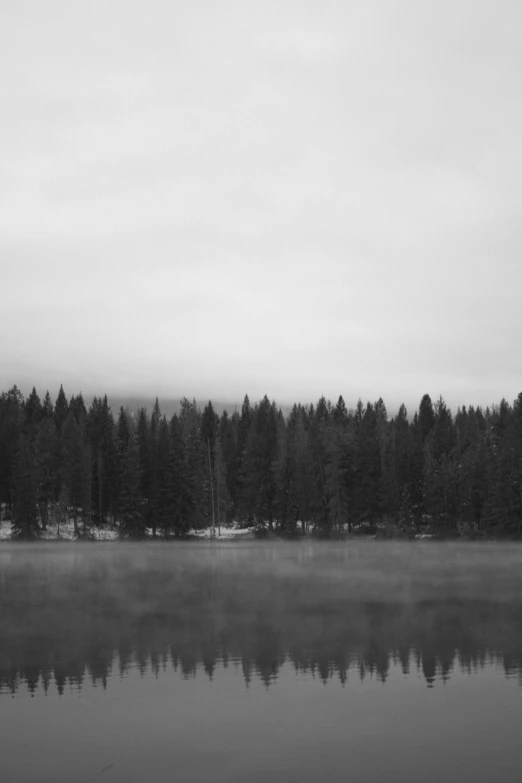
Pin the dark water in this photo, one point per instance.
(236, 662)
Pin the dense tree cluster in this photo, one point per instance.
(323, 464)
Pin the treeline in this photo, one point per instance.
(338, 469)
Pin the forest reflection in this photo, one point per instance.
(77, 615)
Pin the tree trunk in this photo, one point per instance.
(219, 526)
(100, 504)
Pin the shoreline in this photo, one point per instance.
(234, 535)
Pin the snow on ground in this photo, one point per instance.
(225, 534)
(67, 533)
(5, 530)
(105, 535)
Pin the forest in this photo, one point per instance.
(322, 469)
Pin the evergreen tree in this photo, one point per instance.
(370, 464)
(77, 406)
(305, 470)
(166, 477)
(244, 491)
(230, 444)
(179, 463)
(25, 509)
(340, 413)
(86, 483)
(154, 468)
(319, 431)
(47, 407)
(130, 502)
(100, 431)
(426, 419)
(336, 477)
(47, 455)
(123, 435)
(259, 467)
(406, 517)
(33, 410)
(400, 443)
(61, 409)
(223, 500)
(73, 466)
(197, 480)
(416, 470)
(11, 425)
(145, 461)
(209, 425)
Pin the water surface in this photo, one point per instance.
(233, 661)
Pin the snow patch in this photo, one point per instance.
(66, 532)
(5, 530)
(226, 533)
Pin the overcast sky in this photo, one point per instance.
(293, 198)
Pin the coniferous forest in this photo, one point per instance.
(323, 468)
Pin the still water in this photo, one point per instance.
(252, 662)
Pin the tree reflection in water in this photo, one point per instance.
(73, 612)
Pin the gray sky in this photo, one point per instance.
(293, 198)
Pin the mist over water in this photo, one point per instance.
(75, 613)
(247, 660)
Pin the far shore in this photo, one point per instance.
(233, 533)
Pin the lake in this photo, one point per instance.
(303, 661)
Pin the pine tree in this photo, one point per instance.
(104, 485)
(298, 471)
(61, 409)
(47, 407)
(72, 466)
(399, 463)
(209, 425)
(85, 478)
(248, 479)
(11, 425)
(340, 413)
(197, 479)
(223, 499)
(416, 470)
(123, 435)
(25, 509)
(77, 406)
(336, 478)
(426, 417)
(406, 517)
(370, 464)
(154, 500)
(179, 463)
(230, 444)
(33, 410)
(166, 508)
(516, 445)
(47, 455)
(290, 472)
(130, 502)
(145, 461)
(319, 438)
